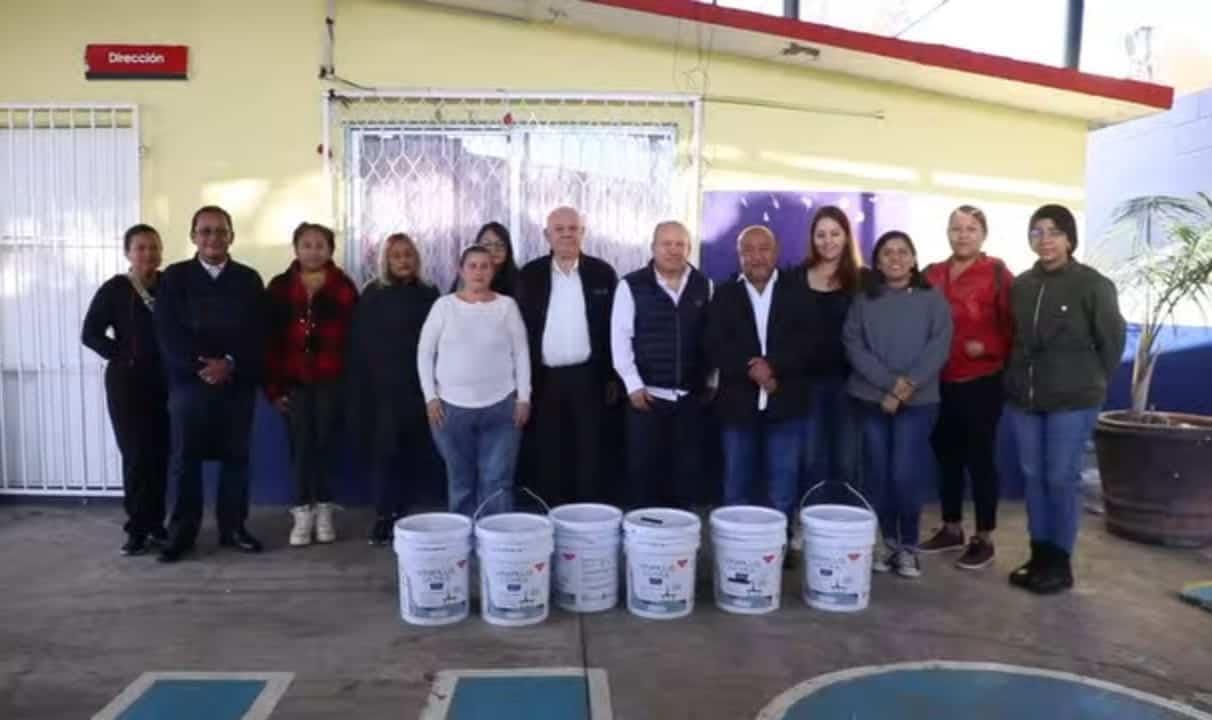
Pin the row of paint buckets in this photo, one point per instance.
(571, 557)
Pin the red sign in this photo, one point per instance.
(136, 62)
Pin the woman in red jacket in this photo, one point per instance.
(978, 289)
(311, 310)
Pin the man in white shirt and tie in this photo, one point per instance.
(760, 336)
(657, 327)
(565, 299)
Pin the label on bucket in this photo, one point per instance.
(434, 587)
(837, 577)
(586, 578)
(515, 589)
(662, 584)
(748, 579)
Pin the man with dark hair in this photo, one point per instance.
(209, 323)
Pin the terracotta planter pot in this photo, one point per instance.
(1157, 476)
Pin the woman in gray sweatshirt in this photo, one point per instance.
(897, 337)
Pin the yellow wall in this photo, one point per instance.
(243, 130)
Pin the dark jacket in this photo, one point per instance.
(668, 339)
(117, 305)
(829, 315)
(385, 399)
(598, 281)
(792, 342)
(308, 337)
(200, 316)
(1068, 339)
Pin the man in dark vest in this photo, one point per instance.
(657, 326)
(210, 323)
(761, 337)
(565, 301)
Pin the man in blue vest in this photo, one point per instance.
(656, 331)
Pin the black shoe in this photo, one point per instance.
(978, 555)
(1055, 576)
(136, 544)
(1022, 576)
(175, 551)
(241, 539)
(381, 533)
(943, 541)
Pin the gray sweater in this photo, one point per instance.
(898, 333)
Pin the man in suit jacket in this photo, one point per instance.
(565, 300)
(210, 325)
(761, 338)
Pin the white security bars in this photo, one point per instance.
(437, 165)
(69, 187)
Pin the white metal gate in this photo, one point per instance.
(69, 187)
(438, 164)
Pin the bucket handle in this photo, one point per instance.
(476, 516)
(848, 486)
(879, 531)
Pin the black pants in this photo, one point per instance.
(209, 423)
(313, 421)
(138, 409)
(399, 471)
(664, 453)
(964, 442)
(568, 428)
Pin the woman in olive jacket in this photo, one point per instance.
(1068, 341)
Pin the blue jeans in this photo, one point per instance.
(831, 443)
(897, 452)
(1050, 447)
(768, 451)
(480, 447)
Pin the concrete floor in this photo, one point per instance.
(78, 623)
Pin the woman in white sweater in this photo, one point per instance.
(474, 367)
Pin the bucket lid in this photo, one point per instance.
(427, 525)
(512, 525)
(748, 520)
(837, 518)
(586, 518)
(662, 522)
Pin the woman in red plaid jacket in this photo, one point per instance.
(311, 310)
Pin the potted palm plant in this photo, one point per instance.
(1156, 466)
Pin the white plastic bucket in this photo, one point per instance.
(586, 561)
(515, 568)
(432, 551)
(661, 545)
(838, 544)
(748, 544)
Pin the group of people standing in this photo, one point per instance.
(823, 372)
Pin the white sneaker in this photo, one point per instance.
(886, 558)
(305, 519)
(325, 532)
(908, 564)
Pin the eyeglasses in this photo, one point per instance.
(1051, 233)
(492, 243)
(213, 232)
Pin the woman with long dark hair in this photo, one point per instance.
(311, 308)
(494, 237)
(977, 287)
(897, 336)
(831, 273)
(1068, 340)
(136, 389)
(389, 409)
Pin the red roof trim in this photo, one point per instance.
(1132, 91)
